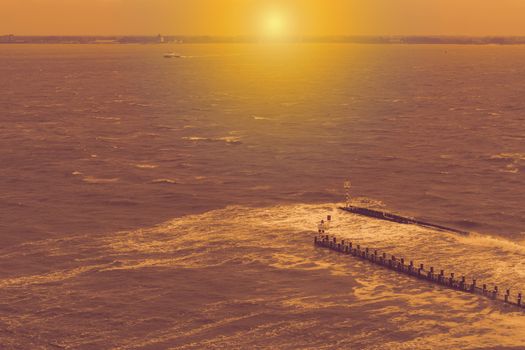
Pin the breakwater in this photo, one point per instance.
(382, 215)
(399, 265)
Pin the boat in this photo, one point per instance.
(171, 55)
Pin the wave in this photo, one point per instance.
(109, 118)
(516, 157)
(253, 273)
(146, 166)
(97, 180)
(368, 203)
(515, 161)
(165, 181)
(260, 118)
(226, 139)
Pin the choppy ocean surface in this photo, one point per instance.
(151, 203)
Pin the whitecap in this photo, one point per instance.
(195, 138)
(516, 161)
(165, 181)
(108, 118)
(510, 170)
(510, 156)
(95, 180)
(146, 166)
(227, 139)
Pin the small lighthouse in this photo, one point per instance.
(324, 225)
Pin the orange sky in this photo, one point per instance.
(251, 17)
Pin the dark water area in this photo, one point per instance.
(119, 167)
(98, 138)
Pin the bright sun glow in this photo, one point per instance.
(275, 25)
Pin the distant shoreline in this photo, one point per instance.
(444, 40)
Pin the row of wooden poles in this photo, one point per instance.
(393, 263)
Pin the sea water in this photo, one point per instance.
(171, 203)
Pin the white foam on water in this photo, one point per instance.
(97, 180)
(146, 166)
(226, 139)
(165, 181)
(241, 277)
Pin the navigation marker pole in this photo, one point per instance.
(347, 186)
(323, 226)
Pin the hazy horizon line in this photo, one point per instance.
(262, 36)
(249, 39)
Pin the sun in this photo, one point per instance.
(275, 25)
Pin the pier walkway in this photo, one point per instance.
(382, 215)
(399, 266)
